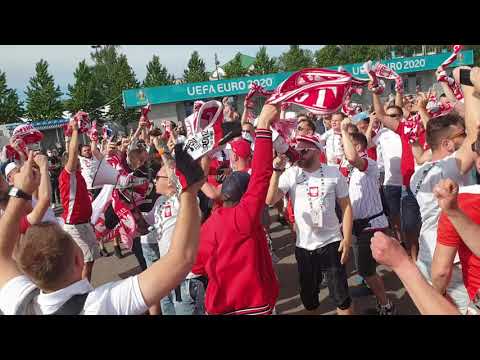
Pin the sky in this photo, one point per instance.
(18, 61)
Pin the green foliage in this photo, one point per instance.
(195, 71)
(263, 63)
(234, 68)
(329, 55)
(295, 59)
(157, 74)
(112, 74)
(10, 107)
(83, 94)
(43, 97)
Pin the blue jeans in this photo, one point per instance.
(150, 252)
(186, 299)
(410, 212)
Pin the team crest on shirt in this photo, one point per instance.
(313, 191)
(168, 211)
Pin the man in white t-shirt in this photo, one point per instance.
(389, 145)
(332, 139)
(89, 157)
(314, 189)
(188, 297)
(46, 275)
(368, 215)
(452, 157)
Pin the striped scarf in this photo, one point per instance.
(442, 73)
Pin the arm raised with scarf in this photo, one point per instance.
(72, 162)
(387, 121)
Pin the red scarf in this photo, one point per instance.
(442, 74)
(320, 91)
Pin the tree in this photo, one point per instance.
(112, 74)
(295, 59)
(195, 71)
(234, 68)
(10, 107)
(329, 55)
(84, 95)
(157, 74)
(263, 63)
(43, 97)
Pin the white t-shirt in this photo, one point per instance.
(365, 197)
(49, 215)
(163, 217)
(88, 168)
(380, 162)
(301, 185)
(115, 298)
(333, 147)
(390, 146)
(429, 209)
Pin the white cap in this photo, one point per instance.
(9, 168)
(290, 115)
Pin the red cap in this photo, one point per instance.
(310, 139)
(242, 148)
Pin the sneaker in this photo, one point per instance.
(388, 309)
(117, 251)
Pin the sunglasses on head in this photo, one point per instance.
(461, 133)
(160, 177)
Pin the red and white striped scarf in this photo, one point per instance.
(383, 71)
(442, 73)
(83, 122)
(377, 86)
(254, 89)
(347, 108)
(144, 116)
(320, 91)
(93, 132)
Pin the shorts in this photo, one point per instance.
(84, 236)
(456, 288)
(411, 218)
(393, 196)
(366, 264)
(151, 253)
(311, 267)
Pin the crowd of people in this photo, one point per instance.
(395, 181)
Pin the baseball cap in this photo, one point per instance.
(360, 116)
(241, 147)
(235, 185)
(8, 169)
(306, 141)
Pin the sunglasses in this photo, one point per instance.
(462, 134)
(304, 151)
(160, 177)
(393, 115)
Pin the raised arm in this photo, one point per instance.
(386, 120)
(28, 181)
(422, 101)
(44, 192)
(349, 149)
(399, 99)
(465, 156)
(274, 194)
(253, 201)
(388, 251)
(369, 131)
(72, 161)
(159, 279)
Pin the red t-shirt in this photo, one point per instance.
(407, 166)
(77, 208)
(448, 236)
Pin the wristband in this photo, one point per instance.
(18, 193)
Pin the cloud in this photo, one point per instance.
(18, 61)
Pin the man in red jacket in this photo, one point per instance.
(233, 251)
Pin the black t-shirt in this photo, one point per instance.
(54, 166)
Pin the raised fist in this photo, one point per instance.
(446, 192)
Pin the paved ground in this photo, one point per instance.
(111, 268)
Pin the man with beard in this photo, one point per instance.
(320, 248)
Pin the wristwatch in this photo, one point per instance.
(15, 192)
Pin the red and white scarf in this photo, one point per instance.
(83, 123)
(347, 108)
(442, 73)
(320, 91)
(377, 86)
(144, 116)
(383, 71)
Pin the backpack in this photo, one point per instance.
(73, 306)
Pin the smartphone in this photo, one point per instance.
(465, 77)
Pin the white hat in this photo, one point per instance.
(9, 168)
(290, 115)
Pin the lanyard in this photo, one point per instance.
(424, 175)
(322, 190)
